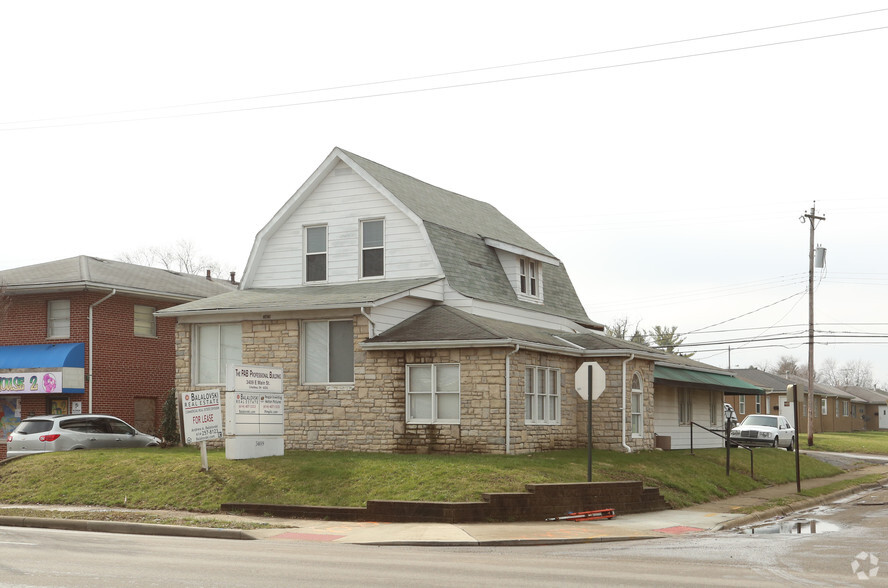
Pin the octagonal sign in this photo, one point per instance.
(582, 383)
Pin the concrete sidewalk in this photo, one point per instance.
(713, 516)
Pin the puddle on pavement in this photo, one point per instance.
(793, 527)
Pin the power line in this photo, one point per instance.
(449, 86)
(460, 72)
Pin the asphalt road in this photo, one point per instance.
(847, 531)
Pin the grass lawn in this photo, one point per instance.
(858, 442)
(154, 478)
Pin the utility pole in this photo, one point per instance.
(812, 218)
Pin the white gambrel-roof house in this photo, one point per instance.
(410, 318)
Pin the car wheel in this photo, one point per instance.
(776, 442)
(791, 445)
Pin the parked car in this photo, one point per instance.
(730, 416)
(42, 434)
(764, 430)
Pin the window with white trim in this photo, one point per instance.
(528, 271)
(328, 352)
(144, 324)
(685, 407)
(542, 396)
(741, 404)
(824, 407)
(372, 248)
(716, 407)
(214, 348)
(433, 393)
(58, 319)
(316, 254)
(758, 405)
(637, 406)
(845, 407)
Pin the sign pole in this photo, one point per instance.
(204, 466)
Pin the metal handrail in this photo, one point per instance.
(728, 445)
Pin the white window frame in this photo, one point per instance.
(637, 406)
(529, 277)
(824, 407)
(225, 334)
(323, 351)
(741, 404)
(144, 321)
(433, 396)
(58, 319)
(716, 407)
(319, 253)
(366, 248)
(542, 395)
(685, 406)
(845, 408)
(758, 405)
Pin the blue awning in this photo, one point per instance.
(69, 359)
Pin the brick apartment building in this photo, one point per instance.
(79, 335)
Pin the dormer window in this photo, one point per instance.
(316, 254)
(528, 276)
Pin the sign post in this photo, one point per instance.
(794, 389)
(590, 381)
(202, 419)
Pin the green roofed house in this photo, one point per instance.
(407, 318)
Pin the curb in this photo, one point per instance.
(127, 528)
(779, 511)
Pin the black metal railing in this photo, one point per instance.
(728, 444)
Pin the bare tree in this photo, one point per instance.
(620, 329)
(829, 372)
(788, 365)
(182, 257)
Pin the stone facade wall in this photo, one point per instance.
(370, 415)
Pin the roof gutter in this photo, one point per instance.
(90, 376)
(623, 440)
(509, 398)
(372, 332)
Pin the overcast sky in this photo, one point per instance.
(664, 151)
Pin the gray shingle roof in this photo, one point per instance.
(93, 272)
(352, 295)
(457, 226)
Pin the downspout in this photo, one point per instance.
(509, 399)
(623, 440)
(91, 306)
(372, 330)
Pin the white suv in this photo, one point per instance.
(42, 434)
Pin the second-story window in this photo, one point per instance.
(316, 254)
(528, 276)
(58, 319)
(372, 248)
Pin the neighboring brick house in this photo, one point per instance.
(834, 409)
(874, 408)
(409, 318)
(87, 327)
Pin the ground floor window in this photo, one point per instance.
(433, 393)
(758, 404)
(329, 352)
(741, 404)
(637, 406)
(542, 396)
(215, 347)
(716, 406)
(685, 407)
(824, 407)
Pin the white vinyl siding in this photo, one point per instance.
(328, 352)
(58, 319)
(215, 347)
(339, 201)
(542, 396)
(433, 394)
(666, 417)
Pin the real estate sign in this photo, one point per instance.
(254, 412)
(202, 415)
